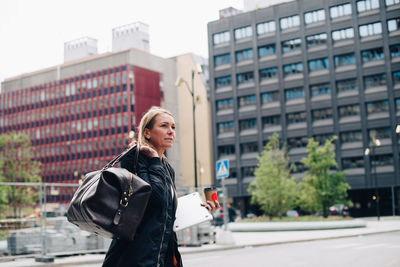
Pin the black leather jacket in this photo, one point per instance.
(155, 243)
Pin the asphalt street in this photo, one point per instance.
(365, 251)
(374, 250)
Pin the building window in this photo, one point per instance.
(269, 97)
(393, 24)
(322, 138)
(353, 163)
(340, 11)
(296, 117)
(268, 73)
(224, 104)
(266, 27)
(222, 82)
(291, 45)
(297, 142)
(243, 32)
(248, 147)
(396, 77)
(322, 114)
(271, 121)
(392, 2)
(318, 64)
(243, 55)
(397, 103)
(346, 85)
(248, 100)
(225, 127)
(320, 89)
(289, 22)
(294, 68)
(370, 29)
(344, 60)
(372, 55)
(342, 34)
(299, 167)
(243, 78)
(375, 80)
(248, 171)
(314, 16)
(382, 160)
(226, 150)
(379, 133)
(349, 110)
(232, 173)
(394, 51)
(352, 136)
(377, 107)
(366, 5)
(266, 50)
(294, 93)
(220, 38)
(247, 124)
(222, 60)
(316, 40)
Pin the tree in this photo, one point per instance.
(273, 188)
(17, 166)
(322, 187)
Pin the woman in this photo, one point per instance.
(155, 243)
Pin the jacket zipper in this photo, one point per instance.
(165, 227)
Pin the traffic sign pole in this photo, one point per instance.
(222, 172)
(225, 204)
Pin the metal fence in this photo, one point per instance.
(47, 233)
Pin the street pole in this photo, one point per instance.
(376, 183)
(225, 204)
(194, 132)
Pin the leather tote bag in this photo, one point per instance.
(110, 202)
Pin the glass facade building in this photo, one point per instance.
(317, 69)
(78, 118)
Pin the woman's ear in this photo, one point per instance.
(146, 133)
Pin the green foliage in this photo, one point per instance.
(273, 188)
(322, 187)
(16, 165)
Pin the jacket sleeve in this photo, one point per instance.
(151, 170)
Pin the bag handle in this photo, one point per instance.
(123, 154)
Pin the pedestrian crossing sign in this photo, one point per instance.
(222, 169)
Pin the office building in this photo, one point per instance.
(307, 69)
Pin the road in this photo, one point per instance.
(378, 250)
(381, 250)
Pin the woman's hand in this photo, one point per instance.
(211, 206)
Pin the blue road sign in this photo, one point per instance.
(222, 168)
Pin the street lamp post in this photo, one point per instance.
(178, 82)
(375, 143)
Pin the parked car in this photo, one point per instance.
(292, 213)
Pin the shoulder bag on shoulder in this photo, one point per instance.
(110, 202)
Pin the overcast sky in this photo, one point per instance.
(33, 32)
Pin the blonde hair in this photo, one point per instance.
(147, 122)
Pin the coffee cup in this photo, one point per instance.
(211, 194)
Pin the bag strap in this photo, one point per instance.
(123, 154)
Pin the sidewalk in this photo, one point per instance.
(242, 239)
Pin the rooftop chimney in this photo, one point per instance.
(79, 48)
(134, 35)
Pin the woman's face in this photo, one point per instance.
(162, 135)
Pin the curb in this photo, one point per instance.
(295, 226)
